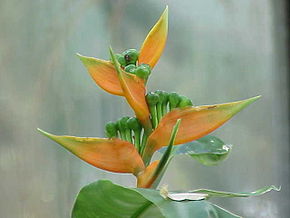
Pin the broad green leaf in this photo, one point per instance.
(212, 193)
(208, 150)
(103, 199)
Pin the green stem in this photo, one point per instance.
(154, 117)
(170, 107)
(167, 156)
(164, 108)
(137, 135)
(159, 111)
(122, 135)
(128, 135)
(144, 141)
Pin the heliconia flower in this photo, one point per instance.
(126, 84)
(183, 123)
(121, 156)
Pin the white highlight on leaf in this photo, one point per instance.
(187, 196)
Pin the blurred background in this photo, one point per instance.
(217, 51)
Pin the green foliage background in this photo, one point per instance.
(217, 51)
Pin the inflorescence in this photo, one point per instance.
(128, 61)
(159, 102)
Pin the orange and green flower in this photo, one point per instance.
(127, 84)
(162, 119)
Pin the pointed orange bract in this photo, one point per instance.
(196, 122)
(154, 43)
(114, 155)
(146, 178)
(134, 92)
(103, 73)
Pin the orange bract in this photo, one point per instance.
(154, 43)
(103, 73)
(134, 91)
(122, 83)
(146, 178)
(196, 122)
(114, 155)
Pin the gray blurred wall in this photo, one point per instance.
(217, 51)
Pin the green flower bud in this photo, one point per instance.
(184, 102)
(131, 56)
(165, 103)
(122, 123)
(134, 124)
(152, 98)
(143, 71)
(174, 100)
(124, 130)
(131, 68)
(121, 59)
(163, 96)
(111, 130)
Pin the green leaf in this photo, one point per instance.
(208, 150)
(167, 156)
(212, 193)
(103, 199)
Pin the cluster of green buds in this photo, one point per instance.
(129, 62)
(128, 129)
(161, 102)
